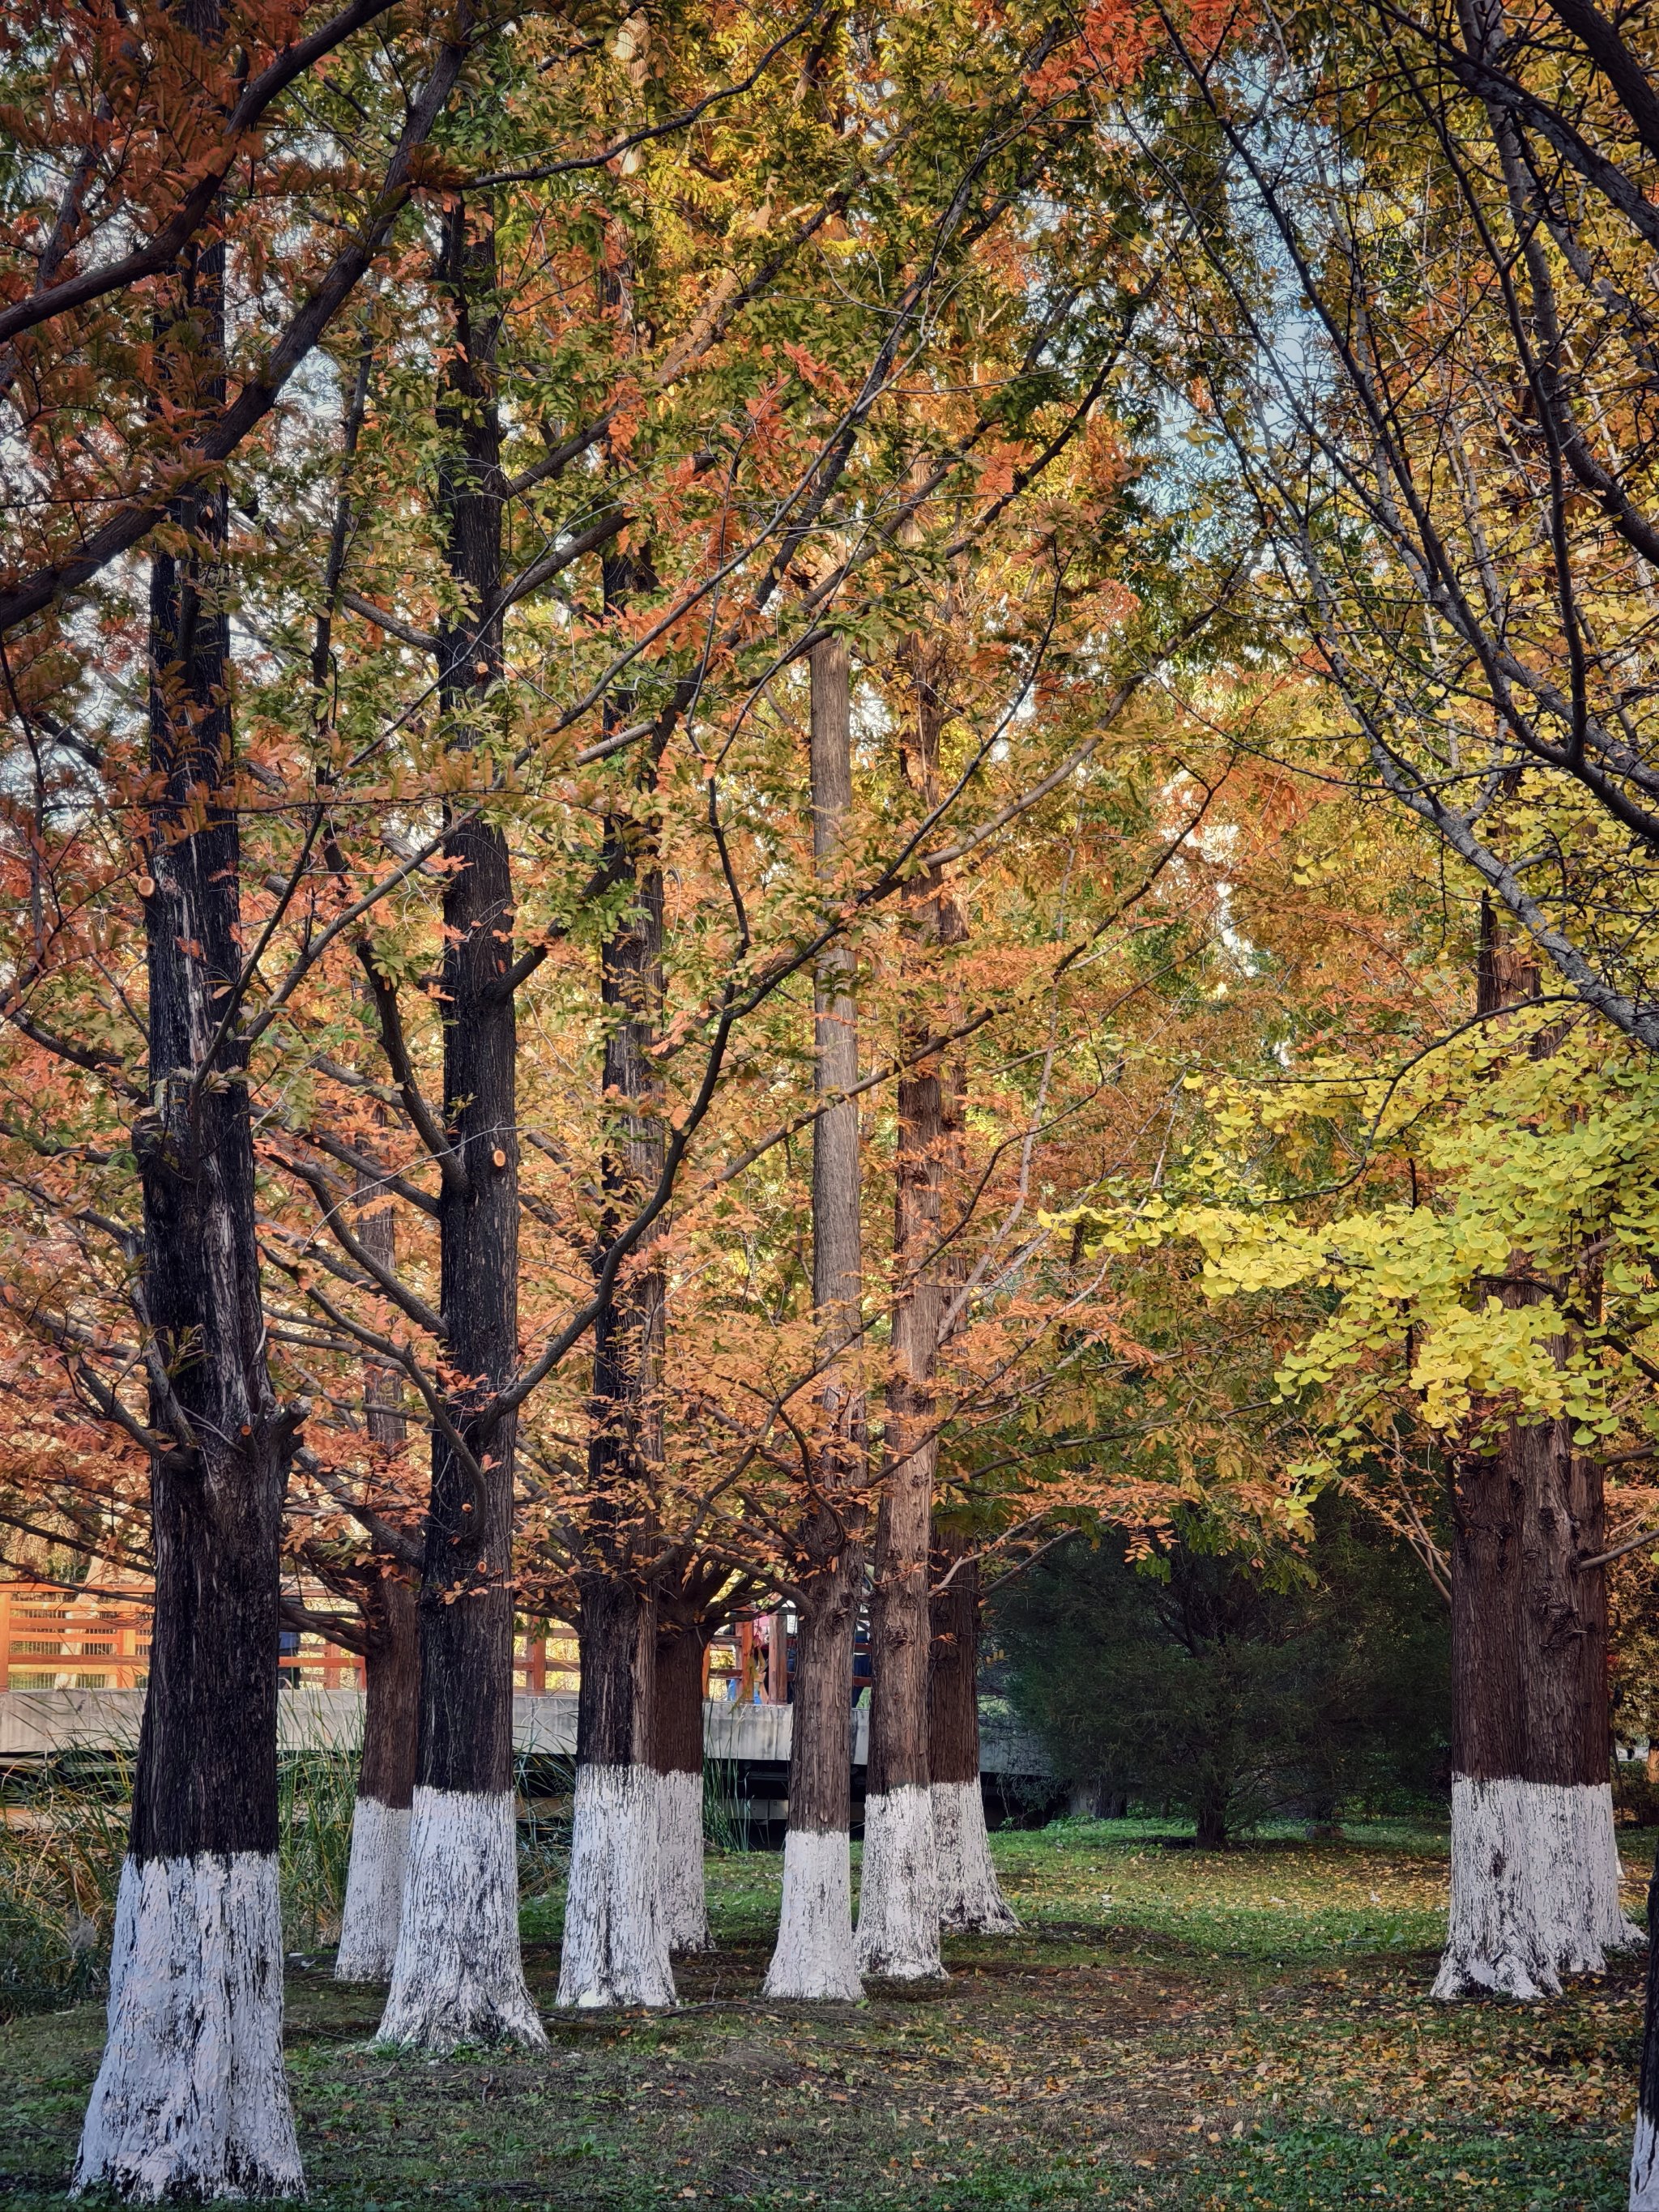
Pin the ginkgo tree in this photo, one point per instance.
(1465, 1323)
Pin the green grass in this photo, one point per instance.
(1172, 2031)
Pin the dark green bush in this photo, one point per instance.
(1193, 1683)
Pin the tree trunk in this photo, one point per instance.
(615, 1933)
(970, 1900)
(616, 1937)
(898, 1899)
(385, 1784)
(1534, 1871)
(191, 2099)
(458, 1975)
(814, 1956)
(391, 1677)
(1534, 1860)
(1645, 2151)
(677, 1759)
(1212, 1821)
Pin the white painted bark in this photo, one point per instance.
(814, 1961)
(191, 2099)
(375, 1892)
(616, 1937)
(679, 1844)
(899, 1891)
(1596, 1847)
(1534, 1887)
(458, 1975)
(1644, 2165)
(970, 1899)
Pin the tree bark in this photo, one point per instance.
(970, 1900)
(458, 1975)
(814, 1957)
(1644, 2150)
(1534, 1865)
(616, 1937)
(898, 1900)
(373, 1911)
(386, 1783)
(616, 1949)
(677, 1759)
(191, 2099)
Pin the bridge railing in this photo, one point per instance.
(36, 1723)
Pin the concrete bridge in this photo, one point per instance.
(754, 1739)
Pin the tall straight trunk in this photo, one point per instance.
(1644, 2150)
(377, 1232)
(970, 1900)
(191, 2099)
(458, 1975)
(616, 1948)
(1534, 1862)
(898, 1899)
(386, 1783)
(814, 1957)
(391, 1680)
(677, 1756)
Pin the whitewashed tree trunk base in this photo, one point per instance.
(1596, 1846)
(191, 2099)
(1495, 1944)
(616, 1940)
(898, 1892)
(1644, 2165)
(1535, 1875)
(375, 1892)
(458, 1975)
(970, 1899)
(813, 1962)
(684, 1901)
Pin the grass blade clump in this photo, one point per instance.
(63, 1837)
(316, 1791)
(726, 1824)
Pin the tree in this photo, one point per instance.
(456, 1975)
(1454, 1335)
(384, 1630)
(190, 2096)
(141, 203)
(1529, 1656)
(970, 1900)
(151, 136)
(691, 1607)
(617, 1940)
(814, 1957)
(1419, 352)
(385, 1587)
(898, 1896)
(1644, 2153)
(1233, 1690)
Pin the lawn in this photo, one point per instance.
(1170, 2029)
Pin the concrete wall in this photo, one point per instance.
(35, 1722)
